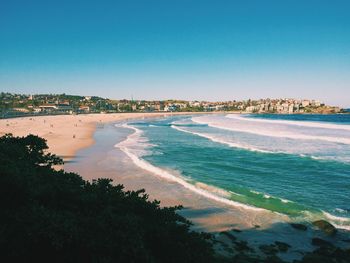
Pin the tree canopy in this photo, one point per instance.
(55, 216)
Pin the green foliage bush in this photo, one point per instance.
(55, 216)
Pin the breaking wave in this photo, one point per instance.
(271, 133)
(296, 123)
(133, 138)
(218, 140)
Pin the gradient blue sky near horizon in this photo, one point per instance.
(162, 49)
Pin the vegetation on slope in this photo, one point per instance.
(55, 216)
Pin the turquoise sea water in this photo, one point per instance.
(298, 165)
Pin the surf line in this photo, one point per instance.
(296, 123)
(231, 144)
(141, 163)
(268, 134)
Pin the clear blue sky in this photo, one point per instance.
(159, 49)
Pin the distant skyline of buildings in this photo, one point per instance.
(36, 104)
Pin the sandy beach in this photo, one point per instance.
(66, 134)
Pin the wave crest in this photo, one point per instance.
(269, 133)
(141, 163)
(296, 123)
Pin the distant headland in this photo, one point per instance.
(12, 105)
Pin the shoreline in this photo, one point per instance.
(257, 228)
(67, 134)
(207, 215)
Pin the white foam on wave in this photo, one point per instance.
(285, 201)
(340, 210)
(132, 139)
(234, 193)
(271, 133)
(253, 149)
(341, 226)
(213, 189)
(267, 196)
(340, 159)
(246, 147)
(336, 218)
(338, 221)
(221, 141)
(296, 123)
(255, 192)
(318, 157)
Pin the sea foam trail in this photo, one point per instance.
(269, 133)
(214, 139)
(338, 221)
(251, 148)
(269, 196)
(296, 123)
(133, 138)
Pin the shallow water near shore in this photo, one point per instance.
(104, 160)
(183, 161)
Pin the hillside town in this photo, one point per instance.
(42, 104)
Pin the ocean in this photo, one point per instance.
(295, 165)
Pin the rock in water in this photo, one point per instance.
(299, 226)
(283, 247)
(269, 249)
(321, 243)
(325, 226)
